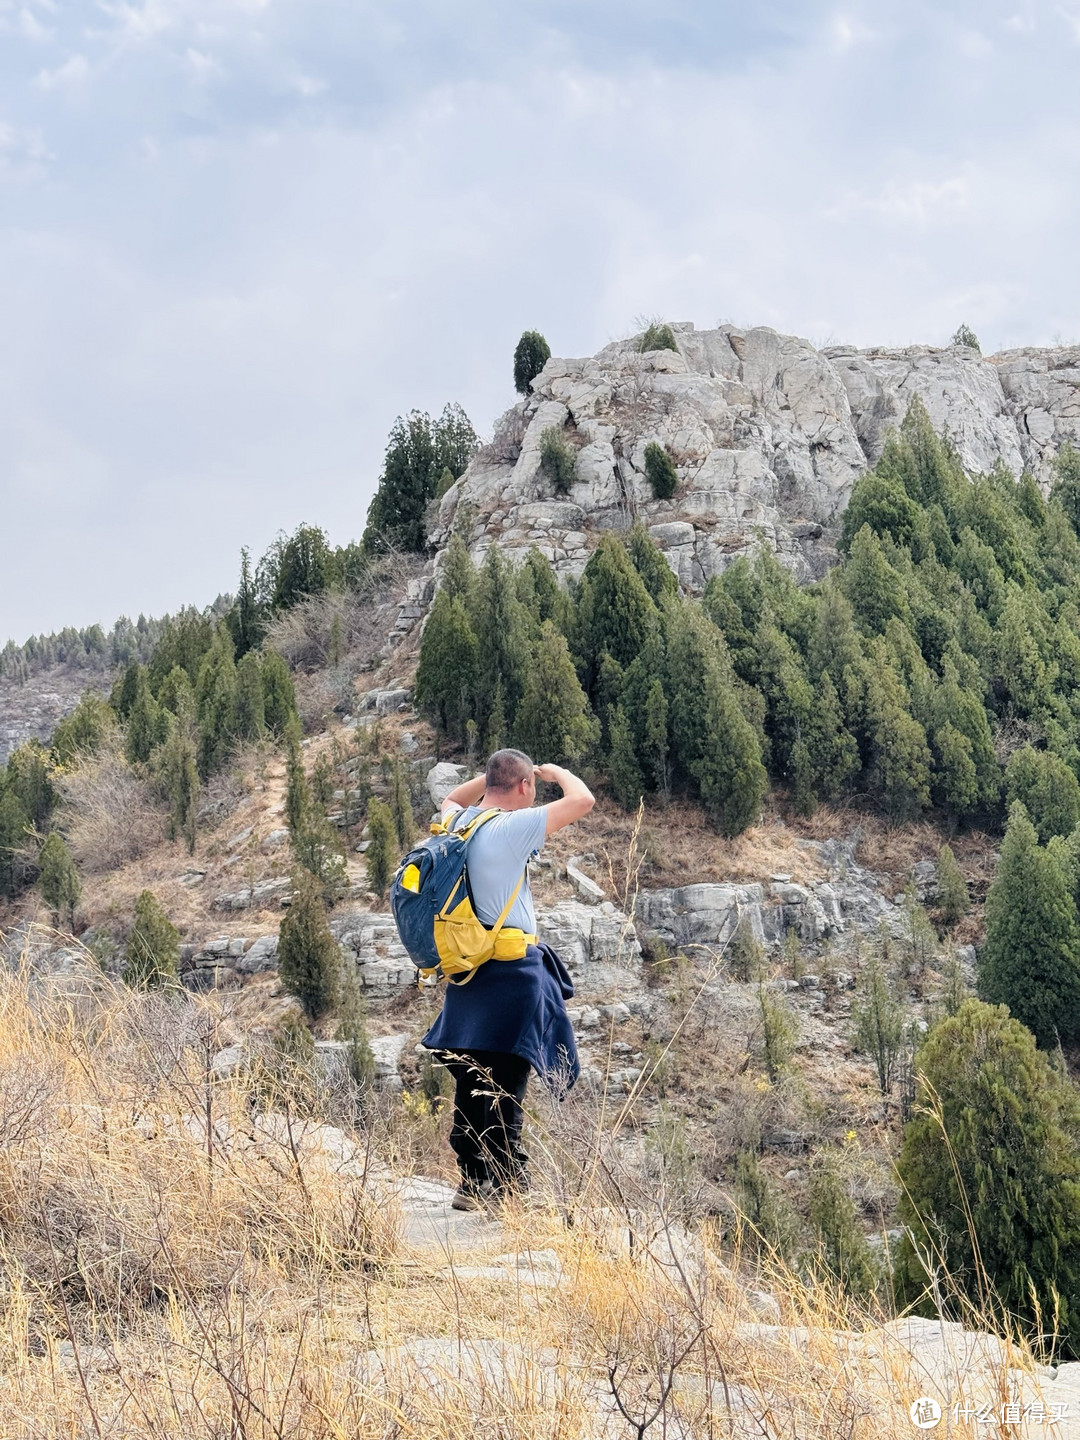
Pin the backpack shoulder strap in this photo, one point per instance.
(477, 820)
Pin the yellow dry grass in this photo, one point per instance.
(181, 1255)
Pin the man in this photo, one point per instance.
(510, 1016)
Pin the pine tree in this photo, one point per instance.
(874, 588)
(655, 739)
(178, 771)
(624, 772)
(953, 898)
(900, 767)
(84, 731)
(1066, 484)
(614, 611)
(152, 955)
(60, 885)
(401, 806)
(833, 753)
(145, 724)
(553, 721)
(1031, 959)
(309, 958)
(279, 693)
(531, 354)
(382, 846)
(660, 472)
(215, 693)
(648, 560)
(245, 619)
(250, 707)
(990, 1178)
(500, 635)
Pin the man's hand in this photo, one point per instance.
(577, 799)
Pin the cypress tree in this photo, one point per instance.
(558, 459)
(1066, 483)
(900, 766)
(178, 771)
(878, 1018)
(655, 740)
(874, 589)
(1047, 789)
(152, 955)
(539, 591)
(215, 693)
(60, 885)
(660, 472)
(352, 1029)
(500, 636)
(1031, 959)
(802, 779)
(553, 720)
(127, 688)
(279, 693)
(145, 725)
(990, 1178)
(250, 707)
(381, 849)
(648, 560)
(401, 806)
(309, 958)
(531, 354)
(297, 791)
(953, 898)
(245, 618)
(459, 578)
(84, 731)
(14, 833)
(843, 1251)
(832, 751)
(447, 672)
(29, 779)
(614, 610)
(624, 772)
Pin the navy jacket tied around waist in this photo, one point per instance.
(517, 1007)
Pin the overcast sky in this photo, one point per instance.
(238, 237)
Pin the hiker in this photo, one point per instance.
(511, 1015)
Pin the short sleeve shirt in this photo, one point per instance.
(498, 854)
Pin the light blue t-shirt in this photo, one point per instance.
(498, 853)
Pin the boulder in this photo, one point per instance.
(442, 778)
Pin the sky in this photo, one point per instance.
(239, 237)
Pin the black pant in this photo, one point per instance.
(489, 1089)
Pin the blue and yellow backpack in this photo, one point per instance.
(433, 909)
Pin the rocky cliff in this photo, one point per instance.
(767, 433)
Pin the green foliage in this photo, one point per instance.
(648, 560)
(1047, 789)
(178, 771)
(279, 693)
(84, 731)
(152, 955)
(246, 619)
(352, 1029)
(763, 1206)
(29, 779)
(250, 704)
(831, 747)
(964, 335)
(877, 1016)
(655, 738)
(660, 471)
(624, 772)
(615, 613)
(294, 567)
(1065, 488)
(60, 885)
(990, 1179)
(553, 720)
(843, 1251)
(146, 725)
(417, 453)
(309, 958)
(531, 354)
(215, 694)
(657, 336)
(382, 849)
(557, 459)
(15, 832)
(778, 1031)
(401, 806)
(744, 954)
(1031, 959)
(448, 670)
(953, 897)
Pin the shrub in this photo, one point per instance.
(965, 336)
(382, 836)
(843, 1250)
(60, 887)
(531, 354)
(109, 813)
(660, 471)
(658, 336)
(152, 956)
(879, 1021)
(953, 898)
(557, 459)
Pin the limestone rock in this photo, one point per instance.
(442, 778)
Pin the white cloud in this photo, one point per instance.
(71, 72)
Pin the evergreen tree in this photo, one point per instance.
(1065, 488)
(843, 1251)
(553, 720)
(965, 336)
(624, 773)
(878, 1018)
(531, 354)
(874, 588)
(1047, 789)
(84, 731)
(953, 898)
(145, 724)
(500, 634)
(771, 1219)
(788, 698)
(416, 455)
(443, 483)
(250, 707)
(401, 806)
(833, 753)
(614, 611)
(648, 560)
(660, 472)
(655, 740)
(309, 958)
(900, 765)
(245, 619)
(127, 688)
(884, 505)
(29, 779)
(178, 770)
(1031, 959)
(152, 955)
(558, 460)
(539, 591)
(990, 1178)
(316, 844)
(381, 847)
(60, 885)
(15, 831)
(297, 791)
(801, 773)
(279, 693)
(448, 669)
(352, 1029)
(459, 573)
(215, 694)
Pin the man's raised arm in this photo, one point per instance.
(467, 793)
(577, 799)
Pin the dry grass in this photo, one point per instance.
(180, 1258)
(110, 815)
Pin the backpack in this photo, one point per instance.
(433, 910)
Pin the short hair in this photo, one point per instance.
(505, 768)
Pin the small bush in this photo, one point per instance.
(658, 336)
(152, 956)
(557, 460)
(309, 958)
(660, 471)
(965, 336)
(530, 356)
(110, 816)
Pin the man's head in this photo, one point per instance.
(509, 780)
